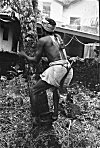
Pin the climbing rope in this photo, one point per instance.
(74, 38)
(70, 41)
(79, 40)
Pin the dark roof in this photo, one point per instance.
(6, 18)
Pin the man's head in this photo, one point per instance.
(49, 25)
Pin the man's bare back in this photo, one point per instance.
(45, 47)
(49, 46)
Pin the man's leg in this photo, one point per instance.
(38, 88)
(56, 103)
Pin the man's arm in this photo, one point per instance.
(38, 55)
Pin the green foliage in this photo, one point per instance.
(78, 131)
(87, 73)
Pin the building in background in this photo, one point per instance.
(80, 15)
(51, 8)
(9, 31)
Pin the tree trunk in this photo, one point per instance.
(35, 11)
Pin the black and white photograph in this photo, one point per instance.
(49, 74)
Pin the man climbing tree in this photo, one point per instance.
(49, 46)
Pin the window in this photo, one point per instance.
(94, 22)
(46, 8)
(74, 21)
(5, 33)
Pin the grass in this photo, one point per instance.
(75, 128)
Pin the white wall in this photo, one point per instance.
(5, 45)
(56, 9)
(85, 9)
(40, 3)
